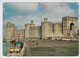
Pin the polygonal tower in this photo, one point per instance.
(9, 30)
(47, 29)
(69, 25)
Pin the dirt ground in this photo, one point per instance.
(52, 48)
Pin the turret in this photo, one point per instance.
(69, 26)
(32, 22)
(45, 19)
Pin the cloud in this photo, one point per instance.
(53, 11)
(20, 21)
(58, 9)
(23, 6)
(37, 12)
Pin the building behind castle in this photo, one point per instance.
(66, 28)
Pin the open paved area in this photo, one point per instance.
(51, 48)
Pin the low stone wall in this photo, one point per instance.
(23, 49)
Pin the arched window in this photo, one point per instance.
(71, 26)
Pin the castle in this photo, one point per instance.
(66, 28)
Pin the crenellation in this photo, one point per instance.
(69, 26)
(66, 28)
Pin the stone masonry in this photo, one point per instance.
(66, 28)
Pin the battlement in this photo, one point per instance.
(47, 29)
(59, 23)
(69, 18)
(9, 24)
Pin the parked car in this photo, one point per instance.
(59, 39)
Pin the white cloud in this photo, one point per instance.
(23, 6)
(53, 11)
(58, 9)
(20, 21)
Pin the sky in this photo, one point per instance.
(21, 13)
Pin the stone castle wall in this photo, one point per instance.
(9, 30)
(69, 26)
(66, 28)
(19, 33)
(47, 29)
(57, 28)
(31, 31)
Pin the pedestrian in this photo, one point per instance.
(36, 43)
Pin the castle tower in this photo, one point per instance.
(69, 25)
(31, 31)
(47, 29)
(9, 30)
(27, 29)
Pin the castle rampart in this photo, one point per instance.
(66, 28)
